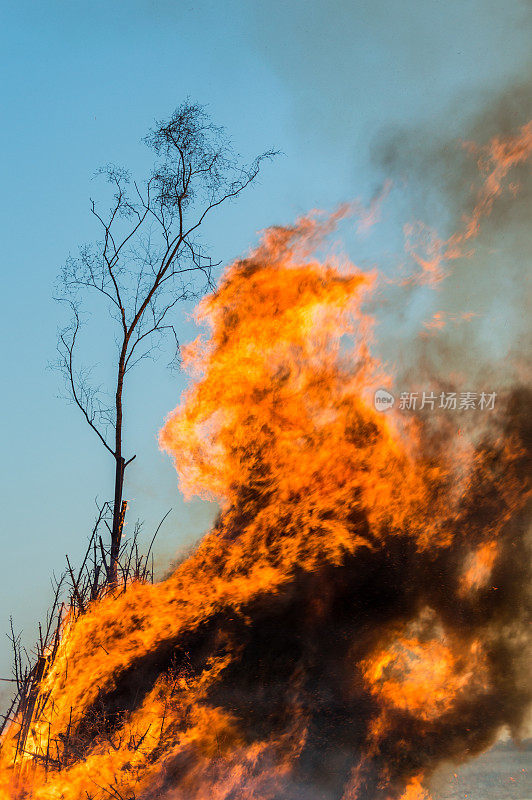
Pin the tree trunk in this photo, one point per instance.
(116, 533)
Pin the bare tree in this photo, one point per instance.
(144, 265)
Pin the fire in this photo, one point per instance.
(331, 635)
(480, 566)
(495, 160)
(415, 791)
(424, 674)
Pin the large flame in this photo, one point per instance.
(358, 613)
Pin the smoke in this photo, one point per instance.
(489, 287)
(408, 83)
(351, 68)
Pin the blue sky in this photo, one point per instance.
(82, 83)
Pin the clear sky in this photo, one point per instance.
(323, 81)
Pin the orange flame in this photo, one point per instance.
(415, 791)
(328, 632)
(425, 677)
(495, 161)
(480, 566)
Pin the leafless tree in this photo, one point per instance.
(144, 265)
